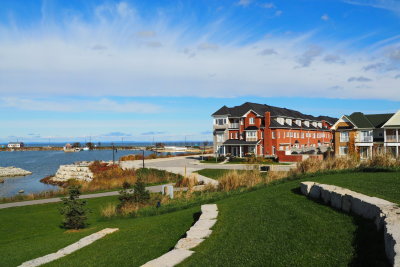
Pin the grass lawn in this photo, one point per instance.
(32, 231)
(218, 173)
(277, 226)
(384, 185)
(270, 226)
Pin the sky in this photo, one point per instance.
(144, 70)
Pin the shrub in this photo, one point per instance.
(132, 199)
(109, 211)
(74, 210)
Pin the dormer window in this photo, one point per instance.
(319, 124)
(251, 121)
(314, 124)
(298, 122)
(289, 121)
(280, 121)
(307, 123)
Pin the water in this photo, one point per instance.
(45, 163)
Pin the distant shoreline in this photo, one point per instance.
(31, 148)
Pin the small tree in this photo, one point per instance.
(74, 210)
(140, 194)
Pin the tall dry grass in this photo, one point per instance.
(235, 179)
(381, 160)
(107, 177)
(34, 196)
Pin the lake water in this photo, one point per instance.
(45, 163)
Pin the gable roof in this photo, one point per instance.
(394, 121)
(368, 121)
(239, 111)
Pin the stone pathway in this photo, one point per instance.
(196, 235)
(69, 249)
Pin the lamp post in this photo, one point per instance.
(143, 157)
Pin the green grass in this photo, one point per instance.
(277, 226)
(33, 231)
(269, 226)
(384, 185)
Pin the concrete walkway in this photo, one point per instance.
(152, 189)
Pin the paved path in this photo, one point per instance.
(152, 189)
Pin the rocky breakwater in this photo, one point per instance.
(13, 171)
(78, 171)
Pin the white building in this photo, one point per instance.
(391, 134)
(15, 145)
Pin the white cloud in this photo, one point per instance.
(74, 105)
(268, 5)
(359, 79)
(39, 65)
(244, 2)
(325, 17)
(392, 5)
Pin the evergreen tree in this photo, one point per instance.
(74, 210)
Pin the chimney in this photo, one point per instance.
(267, 119)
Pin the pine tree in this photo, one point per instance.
(74, 210)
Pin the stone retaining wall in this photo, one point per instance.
(385, 214)
(79, 171)
(196, 234)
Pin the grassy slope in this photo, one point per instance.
(32, 231)
(385, 185)
(272, 226)
(276, 226)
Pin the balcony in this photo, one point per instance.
(365, 139)
(391, 138)
(234, 125)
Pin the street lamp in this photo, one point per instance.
(143, 157)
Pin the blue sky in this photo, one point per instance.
(143, 69)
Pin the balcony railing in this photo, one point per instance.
(251, 139)
(234, 125)
(391, 138)
(365, 139)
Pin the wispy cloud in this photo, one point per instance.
(392, 5)
(74, 105)
(359, 79)
(123, 54)
(244, 2)
(325, 17)
(117, 134)
(153, 133)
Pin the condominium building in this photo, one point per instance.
(264, 130)
(365, 134)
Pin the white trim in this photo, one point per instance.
(344, 118)
(245, 115)
(392, 118)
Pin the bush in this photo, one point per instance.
(74, 210)
(131, 199)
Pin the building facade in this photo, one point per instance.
(362, 134)
(391, 135)
(264, 130)
(15, 145)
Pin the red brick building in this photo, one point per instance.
(269, 131)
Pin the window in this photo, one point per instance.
(313, 135)
(262, 135)
(220, 137)
(280, 121)
(251, 134)
(273, 135)
(241, 121)
(344, 136)
(232, 135)
(236, 135)
(343, 150)
(220, 121)
(302, 135)
(251, 120)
